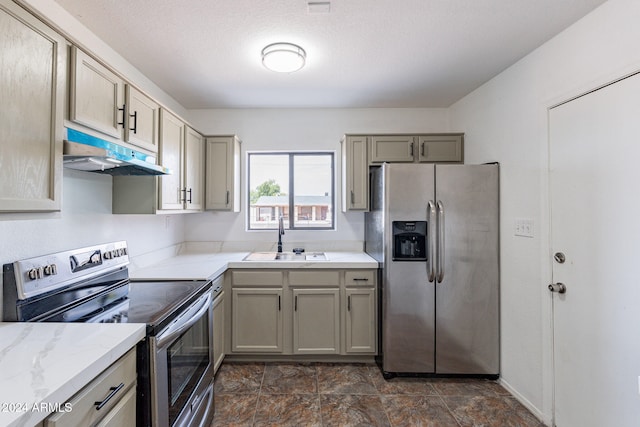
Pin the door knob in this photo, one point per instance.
(558, 287)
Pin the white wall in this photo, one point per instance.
(85, 219)
(300, 129)
(506, 120)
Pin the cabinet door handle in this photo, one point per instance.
(295, 303)
(190, 196)
(422, 149)
(279, 304)
(360, 279)
(411, 148)
(349, 303)
(135, 121)
(123, 109)
(352, 198)
(113, 391)
(227, 197)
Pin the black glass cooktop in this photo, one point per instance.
(155, 303)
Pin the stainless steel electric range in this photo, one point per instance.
(91, 284)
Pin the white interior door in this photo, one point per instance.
(595, 223)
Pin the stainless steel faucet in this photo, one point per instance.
(280, 232)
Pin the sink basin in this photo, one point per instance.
(286, 256)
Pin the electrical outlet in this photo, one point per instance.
(523, 227)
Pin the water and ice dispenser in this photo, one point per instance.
(409, 240)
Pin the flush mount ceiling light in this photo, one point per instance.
(283, 57)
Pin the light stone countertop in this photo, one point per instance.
(202, 266)
(45, 364)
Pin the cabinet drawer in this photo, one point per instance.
(331, 278)
(123, 414)
(84, 411)
(269, 278)
(360, 278)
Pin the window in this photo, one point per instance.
(297, 186)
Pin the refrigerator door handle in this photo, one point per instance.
(431, 240)
(440, 208)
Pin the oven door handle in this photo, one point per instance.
(190, 316)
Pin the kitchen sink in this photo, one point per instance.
(286, 256)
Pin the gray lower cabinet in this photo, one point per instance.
(360, 312)
(33, 61)
(256, 325)
(218, 331)
(303, 312)
(360, 320)
(114, 391)
(316, 321)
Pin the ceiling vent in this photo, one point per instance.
(319, 7)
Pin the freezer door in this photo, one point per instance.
(467, 295)
(408, 310)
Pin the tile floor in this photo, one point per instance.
(325, 394)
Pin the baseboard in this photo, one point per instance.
(530, 406)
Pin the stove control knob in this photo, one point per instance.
(107, 255)
(32, 274)
(50, 270)
(124, 251)
(39, 272)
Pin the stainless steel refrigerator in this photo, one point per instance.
(434, 231)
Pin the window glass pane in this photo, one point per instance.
(309, 190)
(268, 188)
(313, 192)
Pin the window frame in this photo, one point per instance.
(290, 189)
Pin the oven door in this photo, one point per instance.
(182, 368)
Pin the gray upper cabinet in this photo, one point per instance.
(96, 95)
(355, 173)
(222, 173)
(391, 148)
(171, 156)
(194, 158)
(431, 148)
(359, 152)
(181, 149)
(101, 100)
(32, 87)
(441, 148)
(142, 119)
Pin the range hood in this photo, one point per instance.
(88, 153)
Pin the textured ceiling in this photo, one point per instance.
(363, 53)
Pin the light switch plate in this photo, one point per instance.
(523, 227)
